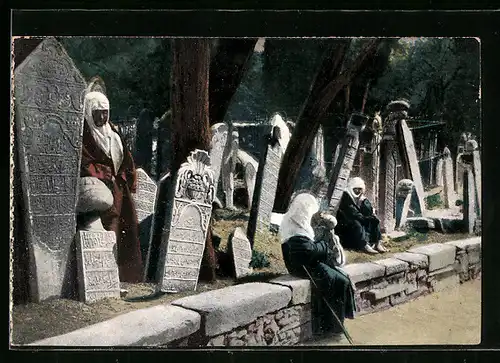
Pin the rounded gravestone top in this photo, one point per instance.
(471, 145)
(446, 152)
(94, 196)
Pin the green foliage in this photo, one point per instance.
(259, 260)
(434, 201)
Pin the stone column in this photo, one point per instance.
(472, 147)
(448, 189)
(370, 171)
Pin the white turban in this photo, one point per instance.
(104, 136)
(353, 184)
(297, 221)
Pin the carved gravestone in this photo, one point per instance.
(228, 167)
(218, 143)
(145, 205)
(440, 173)
(371, 160)
(459, 170)
(250, 168)
(184, 242)
(49, 91)
(266, 184)
(469, 206)
(404, 192)
(412, 165)
(342, 169)
(241, 251)
(472, 147)
(98, 276)
(448, 185)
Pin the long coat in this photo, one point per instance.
(334, 285)
(121, 218)
(357, 225)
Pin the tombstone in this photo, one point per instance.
(266, 183)
(228, 167)
(439, 173)
(411, 165)
(459, 171)
(473, 148)
(144, 141)
(250, 168)
(469, 200)
(49, 90)
(448, 185)
(388, 157)
(241, 251)
(184, 243)
(162, 205)
(371, 160)
(97, 266)
(145, 205)
(217, 146)
(342, 169)
(404, 190)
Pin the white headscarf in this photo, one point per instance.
(356, 183)
(297, 221)
(104, 136)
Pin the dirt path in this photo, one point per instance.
(451, 316)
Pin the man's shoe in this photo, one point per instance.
(380, 248)
(369, 249)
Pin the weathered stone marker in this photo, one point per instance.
(448, 184)
(250, 167)
(145, 205)
(98, 276)
(267, 178)
(469, 206)
(371, 160)
(184, 242)
(439, 173)
(404, 191)
(228, 166)
(49, 91)
(240, 249)
(459, 171)
(343, 166)
(218, 143)
(472, 147)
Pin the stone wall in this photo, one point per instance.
(278, 313)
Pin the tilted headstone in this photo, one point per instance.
(228, 166)
(440, 173)
(98, 276)
(388, 156)
(250, 168)
(182, 247)
(473, 148)
(145, 205)
(342, 169)
(241, 251)
(404, 191)
(448, 185)
(410, 157)
(218, 143)
(266, 182)
(49, 91)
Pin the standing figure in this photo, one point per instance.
(358, 227)
(301, 250)
(105, 156)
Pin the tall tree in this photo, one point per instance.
(331, 78)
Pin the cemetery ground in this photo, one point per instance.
(36, 321)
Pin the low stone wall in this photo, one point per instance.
(278, 313)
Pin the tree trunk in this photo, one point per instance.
(329, 81)
(227, 68)
(190, 122)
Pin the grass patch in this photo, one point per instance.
(434, 201)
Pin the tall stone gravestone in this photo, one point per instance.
(218, 144)
(459, 171)
(412, 168)
(469, 206)
(448, 185)
(266, 182)
(472, 147)
(98, 275)
(342, 168)
(250, 168)
(240, 249)
(49, 92)
(184, 242)
(439, 173)
(145, 205)
(228, 166)
(371, 160)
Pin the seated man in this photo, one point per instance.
(358, 227)
(300, 250)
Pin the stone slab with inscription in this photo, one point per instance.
(183, 241)
(97, 267)
(239, 247)
(49, 91)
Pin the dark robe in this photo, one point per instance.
(121, 218)
(334, 285)
(357, 226)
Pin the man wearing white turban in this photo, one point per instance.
(105, 156)
(301, 250)
(358, 227)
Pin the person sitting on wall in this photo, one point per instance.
(106, 157)
(358, 227)
(301, 250)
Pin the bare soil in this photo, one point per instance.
(35, 321)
